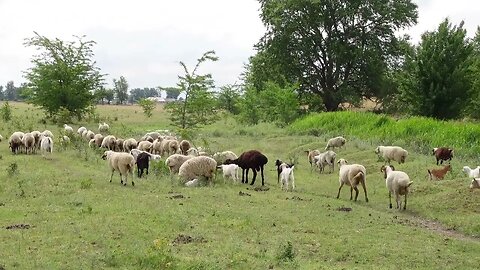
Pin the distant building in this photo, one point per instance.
(157, 99)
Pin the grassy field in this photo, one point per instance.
(62, 213)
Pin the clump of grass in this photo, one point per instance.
(86, 183)
(12, 169)
(286, 253)
(158, 256)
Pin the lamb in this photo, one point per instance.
(129, 144)
(68, 129)
(326, 158)
(335, 142)
(15, 141)
(443, 153)
(46, 145)
(98, 139)
(121, 162)
(174, 162)
(439, 174)
(184, 146)
(192, 183)
(475, 183)
(220, 157)
(109, 142)
(287, 176)
(475, 173)
(47, 133)
(280, 165)
(145, 146)
(196, 167)
(80, 130)
(388, 153)
(28, 141)
(351, 175)
(311, 154)
(142, 161)
(397, 182)
(229, 170)
(252, 159)
(103, 127)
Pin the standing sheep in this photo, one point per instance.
(335, 142)
(142, 161)
(129, 144)
(229, 170)
(352, 175)
(220, 157)
(310, 155)
(326, 158)
(443, 153)
(28, 141)
(475, 173)
(103, 127)
(109, 142)
(397, 182)
(287, 176)
(388, 153)
(184, 146)
(121, 162)
(98, 139)
(475, 183)
(68, 129)
(46, 145)
(145, 146)
(252, 159)
(80, 130)
(174, 162)
(15, 141)
(196, 167)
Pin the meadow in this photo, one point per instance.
(61, 212)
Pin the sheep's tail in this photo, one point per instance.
(360, 175)
(410, 183)
(430, 176)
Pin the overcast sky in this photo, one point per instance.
(144, 40)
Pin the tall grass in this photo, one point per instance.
(419, 133)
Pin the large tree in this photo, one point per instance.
(63, 76)
(11, 92)
(332, 48)
(121, 90)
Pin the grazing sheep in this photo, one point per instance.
(252, 159)
(98, 140)
(174, 162)
(28, 141)
(196, 152)
(310, 155)
(397, 182)
(475, 183)
(145, 146)
(129, 144)
(439, 174)
(475, 173)
(92, 143)
(68, 129)
(89, 135)
(388, 153)
(47, 133)
(109, 142)
(192, 183)
(142, 161)
(155, 135)
(326, 158)
(121, 162)
(103, 127)
(157, 146)
(15, 141)
(229, 170)
(46, 145)
(196, 167)
(280, 165)
(220, 157)
(335, 142)
(147, 138)
(80, 130)
(443, 153)
(119, 145)
(184, 146)
(173, 147)
(352, 175)
(65, 139)
(287, 176)
(37, 135)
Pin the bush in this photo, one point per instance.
(6, 112)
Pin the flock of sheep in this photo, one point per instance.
(192, 163)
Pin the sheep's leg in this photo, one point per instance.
(364, 189)
(405, 203)
(340, 188)
(397, 198)
(263, 177)
(351, 192)
(111, 175)
(293, 182)
(254, 176)
(356, 192)
(390, 198)
(246, 176)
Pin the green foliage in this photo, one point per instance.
(12, 169)
(137, 94)
(419, 133)
(286, 252)
(6, 112)
(172, 92)
(199, 105)
(63, 75)
(473, 108)
(228, 98)
(336, 49)
(443, 73)
(148, 106)
(273, 104)
(121, 90)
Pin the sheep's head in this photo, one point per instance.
(434, 150)
(342, 162)
(384, 170)
(474, 184)
(377, 150)
(466, 169)
(106, 154)
(278, 162)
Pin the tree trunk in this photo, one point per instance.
(331, 103)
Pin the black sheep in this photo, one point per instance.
(143, 160)
(252, 159)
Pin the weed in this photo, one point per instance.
(286, 253)
(12, 169)
(86, 183)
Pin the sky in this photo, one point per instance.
(144, 40)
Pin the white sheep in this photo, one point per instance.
(15, 141)
(89, 135)
(65, 140)
(388, 153)
(68, 129)
(80, 130)
(475, 183)
(229, 171)
(397, 182)
(352, 175)
(28, 141)
(220, 157)
(47, 133)
(109, 142)
(184, 146)
(92, 143)
(37, 135)
(153, 134)
(122, 162)
(174, 162)
(192, 183)
(326, 158)
(103, 127)
(145, 146)
(98, 139)
(475, 173)
(196, 167)
(287, 176)
(335, 142)
(129, 144)
(46, 145)
(157, 146)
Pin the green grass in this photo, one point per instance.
(81, 221)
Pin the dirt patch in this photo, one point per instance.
(296, 198)
(18, 226)
(261, 188)
(434, 226)
(241, 193)
(344, 209)
(176, 196)
(186, 239)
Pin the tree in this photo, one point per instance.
(148, 106)
(199, 106)
(11, 91)
(228, 98)
(63, 76)
(443, 73)
(101, 95)
(137, 94)
(109, 95)
(2, 95)
(172, 92)
(332, 48)
(473, 108)
(121, 90)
